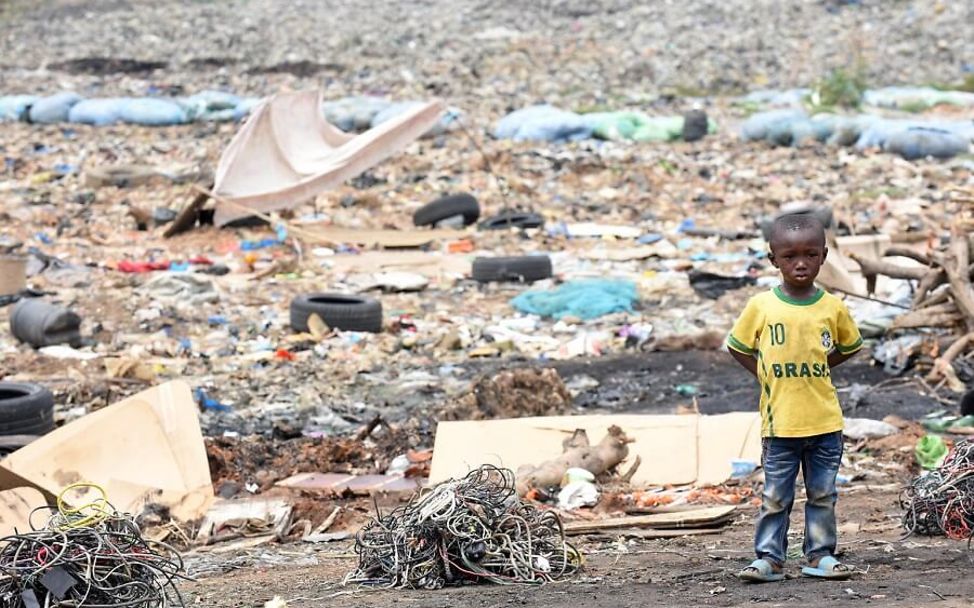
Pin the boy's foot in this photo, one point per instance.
(761, 571)
(828, 567)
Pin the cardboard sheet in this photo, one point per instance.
(674, 449)
(336, 235)
(428, 264)
(15, 509)
(145, 449)
(287, 153)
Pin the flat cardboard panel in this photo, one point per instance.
(674, 449)
(15, 508)
(147, 448)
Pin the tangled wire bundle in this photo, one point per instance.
(87, 557)
(941, 503)
(464, 531)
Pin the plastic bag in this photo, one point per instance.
(15, 107)
(152, 112)
(353, 114)
(543, 123)
(100, 112)
(921, 142)
(930, 451)
(53, 109)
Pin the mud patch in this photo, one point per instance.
(101, 66)
(301, 69)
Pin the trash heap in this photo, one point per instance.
(465, 531)
(88, 556)
(941, 502)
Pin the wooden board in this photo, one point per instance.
(707, 517)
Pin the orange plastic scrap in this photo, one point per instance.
(461, 246)
(651, 499)
(720, 495)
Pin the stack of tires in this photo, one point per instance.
(26, 412)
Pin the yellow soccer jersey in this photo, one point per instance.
(791, 340)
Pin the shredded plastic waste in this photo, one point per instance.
(585, 299)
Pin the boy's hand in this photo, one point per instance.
(747, 361)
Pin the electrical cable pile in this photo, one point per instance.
(941, 503)
(90, 556)
(464, 531)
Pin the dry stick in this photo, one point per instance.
(929, 282)
(870, 298)
(908, 252)
(960, 281)
(941, 363)
(874, 267)
(934, 316)
(937, 298)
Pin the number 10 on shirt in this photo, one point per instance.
(777, 331)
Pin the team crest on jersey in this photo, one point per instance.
(826, 339)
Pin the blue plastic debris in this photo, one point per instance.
(208, 403)
(585, 299)
(543, 123)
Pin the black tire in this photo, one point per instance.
(695, 125)
(41, 323)
(446, 207)
(526, 269)
(25, 409)
(512, 219)
(339, 311)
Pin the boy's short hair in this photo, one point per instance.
(797, 222)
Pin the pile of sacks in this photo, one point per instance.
(910, 138)
(548, 123)
(150, 111)
(897, 98)
(352, 114)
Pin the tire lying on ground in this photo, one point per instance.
(25, 409)
(512, 219)
(446, 207)
(527, 269)
(339, 311)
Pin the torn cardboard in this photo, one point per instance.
(287, 153)
(674, 449)
(145, 449)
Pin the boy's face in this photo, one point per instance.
(798, 254)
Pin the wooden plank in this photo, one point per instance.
(651, 533)
(697, 518)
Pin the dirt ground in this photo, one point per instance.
(688, 571)
(622, 570)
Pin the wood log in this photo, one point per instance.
(942, 315)
(934, 299)
(933, 279)
(945, 361)
(908, 252)
(960, 281)
(877, 267)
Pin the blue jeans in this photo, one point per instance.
(819, 457)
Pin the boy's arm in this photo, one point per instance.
(748, 362)
(837, 358)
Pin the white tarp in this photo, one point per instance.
(287, 153)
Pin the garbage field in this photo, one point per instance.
(315, 303)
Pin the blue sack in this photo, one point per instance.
(100, 112)
(585, 299)
(152, 112)
(15, 107)
(543, 123)
(53, 109)
(353, 114)
(399, 107)
(921, 142)
(773, 125)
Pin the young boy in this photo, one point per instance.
(790, 338)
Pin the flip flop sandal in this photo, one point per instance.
(828, 567)
(760, 571)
